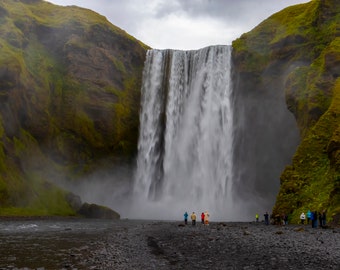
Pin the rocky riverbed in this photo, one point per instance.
(131, 244)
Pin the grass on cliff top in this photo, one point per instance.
(54, 16)
(298, 28)
(48, 14)
(294, 20)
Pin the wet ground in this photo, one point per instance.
(50, 244)
(131, 244)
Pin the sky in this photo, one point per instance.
(184, 24)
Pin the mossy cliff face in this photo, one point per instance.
(69, 93)
(297, 52)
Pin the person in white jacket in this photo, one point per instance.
(302, 218)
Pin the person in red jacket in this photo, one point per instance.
(202, 218)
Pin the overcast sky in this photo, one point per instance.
(184, 24)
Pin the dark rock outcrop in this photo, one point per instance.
(97, 211)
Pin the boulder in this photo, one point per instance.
(74, 201)
(97, 211)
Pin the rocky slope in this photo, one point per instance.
(69, 94)
(294, 56)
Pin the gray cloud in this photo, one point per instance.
(180, 24)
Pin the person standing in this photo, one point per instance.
(266, 218)
(193, 219)
(320, 220)
(202, 218)
(186, 218)
(302, 218)
(309, 215)
(312, 217)
(257, 217)
(206, 218)
(323, 218)
(315, 219)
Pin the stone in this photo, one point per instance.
(97, 211)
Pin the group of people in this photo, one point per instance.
(273, 219)
(314, 217)
(311, 216)
(193, 216)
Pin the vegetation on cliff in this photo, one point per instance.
(302, 42)
(69, 93)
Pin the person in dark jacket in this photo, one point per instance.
(266, 218)
(320, 220)
(324, 218)
(312, 218)
(315, 214)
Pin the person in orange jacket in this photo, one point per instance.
(206, 218)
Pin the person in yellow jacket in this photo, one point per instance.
(193, 218)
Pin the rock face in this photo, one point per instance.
(293, 57)
(69, 92)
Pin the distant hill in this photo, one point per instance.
(69, 93)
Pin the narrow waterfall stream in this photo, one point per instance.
(185, 144)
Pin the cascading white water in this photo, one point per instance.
(186, 135)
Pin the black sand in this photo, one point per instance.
(170, 245)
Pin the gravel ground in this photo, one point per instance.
(171, 245)
(161, 245)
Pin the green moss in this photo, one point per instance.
(49, 200)
(294, 20)
(84, 125)
(2, 152)
(305, 36)
(295, 32)
(119, 65)
(312, 181)
(63, 124)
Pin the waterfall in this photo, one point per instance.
(185, 143)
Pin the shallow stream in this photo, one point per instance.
(51, 243)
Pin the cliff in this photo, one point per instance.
(69, 93)
(294, 57)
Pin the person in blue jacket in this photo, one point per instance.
(308, 216)
(186, 218)
(312, 218)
